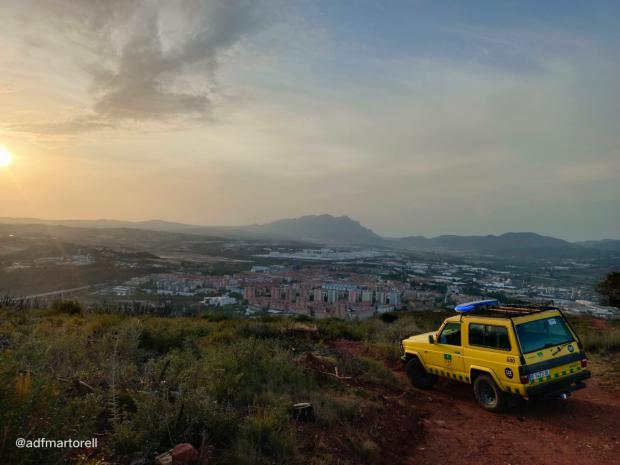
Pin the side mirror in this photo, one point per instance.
(431, 339)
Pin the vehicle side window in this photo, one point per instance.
(451, 334)
(494, 337)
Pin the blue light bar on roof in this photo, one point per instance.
(477, 305)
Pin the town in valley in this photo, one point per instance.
(186, 274)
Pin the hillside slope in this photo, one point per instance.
(142, 384)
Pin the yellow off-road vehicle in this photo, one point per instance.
(504, 351)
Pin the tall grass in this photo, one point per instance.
(597, 336)
(601, 341)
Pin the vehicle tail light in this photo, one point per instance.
(584, 363)
(525, 379)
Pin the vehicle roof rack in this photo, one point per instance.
(529, 308)
(494, 308)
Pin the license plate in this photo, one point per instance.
(538, 375)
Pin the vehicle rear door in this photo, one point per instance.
(550, 349)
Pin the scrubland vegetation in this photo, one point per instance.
(597, 336)
(143, 384)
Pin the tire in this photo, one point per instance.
(418, 376)
(489, 395)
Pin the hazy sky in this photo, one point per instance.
(413, 117)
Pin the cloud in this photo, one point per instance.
(5, 88)
(71, 126)
(150, 60)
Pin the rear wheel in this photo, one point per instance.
(418, 376)
(488, 394)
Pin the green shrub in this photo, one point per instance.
(67, 306)
(430, 321)
(388, 352)
(395, 332)
(158, 424)
(161, 336)
(332, 329)
(376, 372)
(367, 450)
(161, 340)
(251, 371)
(388, 317)
(333, 409)
(265, 439)
(260, 331)
(216, 316)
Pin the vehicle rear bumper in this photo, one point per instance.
(554, 389)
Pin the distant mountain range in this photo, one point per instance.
(335, 230)
(513, 244)
(605, 244)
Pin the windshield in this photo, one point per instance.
(539, 334)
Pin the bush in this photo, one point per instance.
(332, 329)
(388, 317)
(67, 306)
(390, 353)
(376, 373)
(367, 450)
(265, 439)
(158, 424)
(609, 289)
(161, 337)
(251, 372)
(333, 409)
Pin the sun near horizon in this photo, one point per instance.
(6, 158)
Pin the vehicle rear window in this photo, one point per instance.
(546, 332)
(495, 337)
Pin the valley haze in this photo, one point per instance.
(342, 230)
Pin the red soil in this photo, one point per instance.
(583, 430)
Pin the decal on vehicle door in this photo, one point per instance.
(447, 359)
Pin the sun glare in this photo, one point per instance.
(5, 157)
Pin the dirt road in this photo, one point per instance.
(583, 430)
